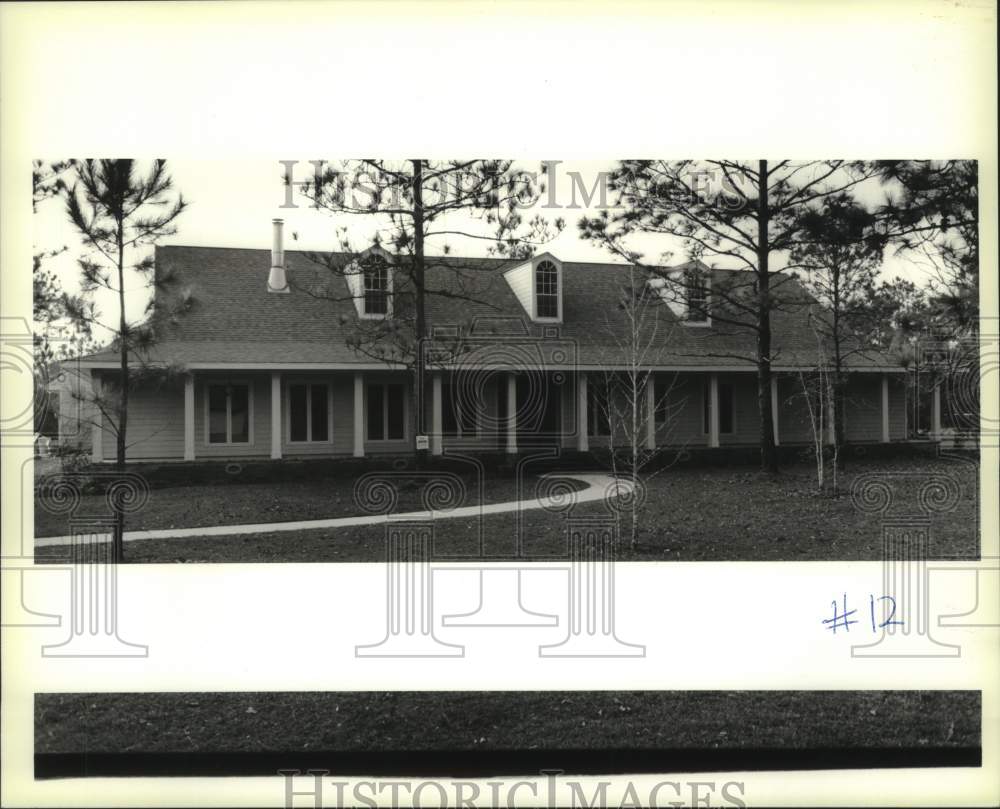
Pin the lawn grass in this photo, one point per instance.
(504, 720)
(705, 514)
(236, 503)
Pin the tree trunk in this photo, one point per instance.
(768, 452)
(118, 534)
(420, 376)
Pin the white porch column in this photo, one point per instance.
(436, 422)
(713, 410)
(97, 428)
(936, 413)
(651, 412)
(276, 414)
(831, 427)
(189, 417)
(511, 414)
(775, 408)
(359, 415)
(885, 408)
(582, 418)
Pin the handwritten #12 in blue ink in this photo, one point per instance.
(843, 617)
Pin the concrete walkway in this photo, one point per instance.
(599, 487)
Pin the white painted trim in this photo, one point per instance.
(275, 415)
(511, 414)
(582, 418)
(359, 415)
(189, 453)
(713, 410)
(885, 408)
(707, 429)
(775, 409)
(559, 289)
(436, 409)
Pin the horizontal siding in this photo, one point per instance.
(684, 402)
(863, 409)
(155, 426)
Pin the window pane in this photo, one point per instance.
(697, 299)
(376, 286)
(297, 412)
(547, 289)
(240, 407)
(397, 427)
(217, 414)
(548, 306)
(375, 405)
(320, 414)
(725, 407)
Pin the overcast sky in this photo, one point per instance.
(232, 203)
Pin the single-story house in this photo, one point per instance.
(273, 354)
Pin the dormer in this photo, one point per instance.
(369, 277)
(538, 285)
(686, 290)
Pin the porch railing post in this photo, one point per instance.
(189, 417)
(97, 427)
(276, 415)
(436, 421)
(359, 423)
(511, 414)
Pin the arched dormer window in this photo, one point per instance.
(546, 290)
(377, 290)
(696, 292)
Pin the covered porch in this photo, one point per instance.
(225, 413)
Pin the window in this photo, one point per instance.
(308, 412)
(386, 416)
(598, 417)
(546, 290)
(726, 408)
(696, 297)
(228, 413)
(455, 419)
(376, 285)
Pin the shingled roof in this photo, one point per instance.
(215, 310)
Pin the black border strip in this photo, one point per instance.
(484, 763)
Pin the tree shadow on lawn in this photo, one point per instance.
(688, 515)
